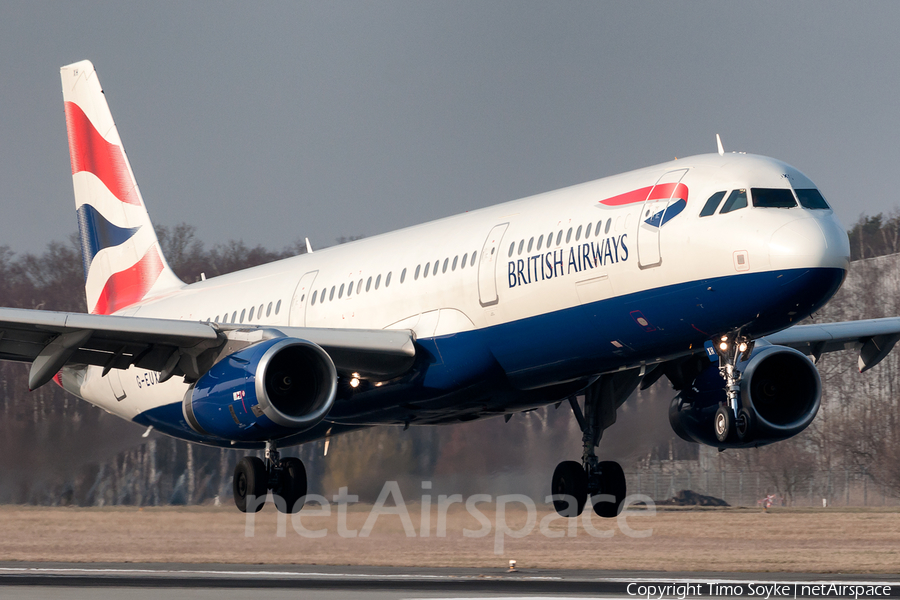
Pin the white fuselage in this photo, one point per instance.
(495, 267)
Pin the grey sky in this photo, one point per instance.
(277, 120)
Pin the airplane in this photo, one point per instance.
(696, 269)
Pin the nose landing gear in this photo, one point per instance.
(253, 479)
(731, 420)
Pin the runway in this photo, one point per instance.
(99, 581)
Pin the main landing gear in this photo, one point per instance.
(601, 481)
(732, 420)
(285, 477)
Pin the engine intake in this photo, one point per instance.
(780, 386)
(274, 388)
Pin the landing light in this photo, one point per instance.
(354, 383)
(743, 347)
(723, 346)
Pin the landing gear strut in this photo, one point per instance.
(285, 477)
(731, 420)
(601, 481)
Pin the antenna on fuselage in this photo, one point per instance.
(719, 145)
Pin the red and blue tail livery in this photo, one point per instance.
(122, 260)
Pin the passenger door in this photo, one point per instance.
(652, 218)
(301, 299)
(487, 266)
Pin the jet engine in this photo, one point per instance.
(273, 388)
(780, 388)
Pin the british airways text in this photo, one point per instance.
(556, 263)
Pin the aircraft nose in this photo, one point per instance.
(810, 242)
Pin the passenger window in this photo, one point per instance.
(530, 243)
(569, 236)
(269, 309)
(446, 262)
(369, 283)
(812, 198)
(387, 280)
(418, 268)
(540, 242)
(324, 291)
(549, 239)
(313, 301)
(378, 281)
(587, 231)
(243, 312)
(350, 289)
(736, 201)
(608, 225)
(278, 307)
(403, 275)
(772, 198)
(455, 261)
(559, 237)
(259, 310)
(578, 234)
(359, 287)
(472, 262)
(234, 317)
(437, 264)
(512, 248)
(217, 318)
(427, 270)
(521, 245)
(463, 263)
(341, 292)
(250, 318)
(331, 295)
(712, 204)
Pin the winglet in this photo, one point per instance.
(308, 247)
(719, 145)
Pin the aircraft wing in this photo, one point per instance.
(50, 340)
(873, 338)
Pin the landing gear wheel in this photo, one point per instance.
(569, 479)
(612, 483)
(291, 485)
(743, 426)
(724, 423)
(250, 484)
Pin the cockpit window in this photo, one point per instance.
(773, 198)
(811, 198)
(712, 204)
(736, 201)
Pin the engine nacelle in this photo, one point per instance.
(274, 388)
(780, 386)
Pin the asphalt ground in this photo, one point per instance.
(183, 580)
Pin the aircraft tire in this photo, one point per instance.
(743, 426)
(292, 486)
(612, 483)
(250, 484)
(724, 423)
(569, 479)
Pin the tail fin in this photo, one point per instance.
(123, 263)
